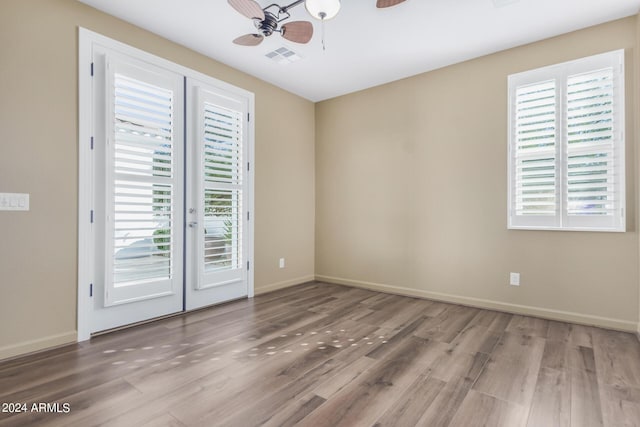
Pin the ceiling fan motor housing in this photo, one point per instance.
(268, 25)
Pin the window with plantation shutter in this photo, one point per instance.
(566, 146)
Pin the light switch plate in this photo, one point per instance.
(14, 202)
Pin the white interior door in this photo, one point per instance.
(218, 232)
(138, 198)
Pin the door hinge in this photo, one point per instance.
(248, 117)
(92, 143)
(248, 166)
(248, 216)
(247, 265)
(92, 69)
(91, 289)
(91, 216)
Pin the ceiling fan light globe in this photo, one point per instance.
(322, 9)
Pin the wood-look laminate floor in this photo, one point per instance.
(326, 355)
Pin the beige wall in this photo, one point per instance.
(39, 155)
(411, 194)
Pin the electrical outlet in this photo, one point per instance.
(281, 262)
(514, 279)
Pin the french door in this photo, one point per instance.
(170, 219)
(217, 203)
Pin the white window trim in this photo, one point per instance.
(87, 40)
(559, 73)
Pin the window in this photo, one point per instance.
(566, 146)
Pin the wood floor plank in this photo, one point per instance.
(492, 320)
(478, 409)
(519, 347)
(319, 354)
(551, 404)
(582, 336)
(82, 404)
(620, 405)
(476, 339)
(384, 312)
(397, 338)
(616, 366)
(446, 403)
(512, 371)
(259, 411)
(453, 364)
(351, 372)
(290, 415)
(509, 380)
(164, 420)
(447, 325)
(556, 355)
(585, 397)
(401, 318)
(413, 403)
(531, 326)
(363, 402)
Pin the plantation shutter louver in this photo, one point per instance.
(141, 184)
(590, 144)
(223, 187)
(535, 175)
(566, 162)
(143, 149)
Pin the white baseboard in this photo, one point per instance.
(284, 284)
(46, 343)
(564, 316)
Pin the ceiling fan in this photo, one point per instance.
(268, 19)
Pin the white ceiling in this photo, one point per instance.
(365, 46)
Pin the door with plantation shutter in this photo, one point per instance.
(218, 211)
(139, 210)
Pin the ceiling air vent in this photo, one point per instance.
(283, 56)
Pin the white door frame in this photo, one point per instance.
(86, 234)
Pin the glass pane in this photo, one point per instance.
(142, 198)
(222, 230)
(142, 232)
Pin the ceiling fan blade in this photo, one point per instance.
(387, 3)
(249, 40)
(249, 8)
(298, 31)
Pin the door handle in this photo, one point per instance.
(192, 224)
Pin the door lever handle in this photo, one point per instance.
(192, 224)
